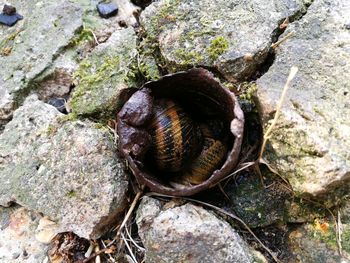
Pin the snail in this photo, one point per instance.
(175, 136)
(160, 121)
(211, 156)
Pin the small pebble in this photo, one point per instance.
(9, 10)
(9, 17)
(142, 3)
(107, 10)
(59, 104)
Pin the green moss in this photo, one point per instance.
(188, 57)
(346, 239)
(51, 129)
(217, 47)
(71, 194)
(91, 77)
(327, 235)
(88, 75)
(248, 91)
(70, 117)
(86, 35)
(7, 43)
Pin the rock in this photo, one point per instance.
(103, 76)
(9, 10)
(17, 236)
(10, 20)
(59, 104)
(107, 10)
(187, 233)
(310, 144)
(316, 243)
(30, 48)
(67, 170)
(256, 204)
(142, 3)
(232, 37)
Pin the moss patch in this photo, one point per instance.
(217, 47)
(7, 43)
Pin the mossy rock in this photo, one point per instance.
(104, 75)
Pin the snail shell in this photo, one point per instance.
(211, 157)
(174, 134)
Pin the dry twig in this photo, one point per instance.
(279, 42)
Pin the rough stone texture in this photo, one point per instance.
(258, 205)
(310, 145)
(187, 234)
(104, 75)
(25, 51)
(103, 28)
(69, 171)
(316, 242)
(229, 35)
(17, 236)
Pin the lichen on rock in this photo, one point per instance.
(214, 34)
(188, 233)
(310, 144)
(103, 76)
(67, 170)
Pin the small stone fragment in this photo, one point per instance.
(59, 104)
(46, 230)
(9, 10)
(10, 20)
(107, 10)
(142, 3)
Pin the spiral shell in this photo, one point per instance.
(174, 135)
(211, 157)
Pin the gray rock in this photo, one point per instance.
(17, 236)
(232, 36)
(104, 75)
(256, 204)
(69, 171)
(29, 48)
(310, 145)
(316, 243)
(188, 233)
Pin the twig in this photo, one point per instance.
(97, 250)
(86, 260)
(339, 231)
(276, 44)
(228, 214)
(291, 76)
(246, 165)
(129, 248)
(133, 241)
(90, 249)
(127, 216)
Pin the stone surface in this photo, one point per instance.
(316, 242)
(25, 49)
(107, 10)
(10, 20)
(18, 244)
(256, 204)
(68, 170)
(104, 75)
(187, 233)
(229, 35)
(310, 144)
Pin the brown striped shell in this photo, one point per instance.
(204, 98)
(174, 136)
(211, 158)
